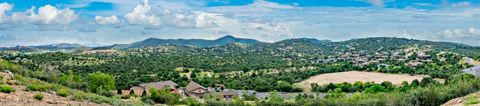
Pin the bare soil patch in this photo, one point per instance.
(22, 97)
(353, 76)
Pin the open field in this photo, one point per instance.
(353, 76)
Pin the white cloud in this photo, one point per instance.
(266, 4)
(461, 4)
(461, 33)
(140, 15)
(205, 19)
(111, 20)
(376, 2)
(46, 15)
(4, 7)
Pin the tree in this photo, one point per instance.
(375, 88)
(284, 86)
(275, 97)
(100, 81)
(415, 83)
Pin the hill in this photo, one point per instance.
(184, 42)
(43, 48)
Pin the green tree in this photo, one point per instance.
(100, 81)
(275, 97)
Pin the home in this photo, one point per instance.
(414, 64)
(142, 89)
(159, 85)
(195, 90)
(227, 95)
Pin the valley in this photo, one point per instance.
(236, 69)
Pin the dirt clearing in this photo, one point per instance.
(353, 76)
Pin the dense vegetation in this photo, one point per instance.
(264, 67)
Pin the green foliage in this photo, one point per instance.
(190, 101)
(337, 93)
(6, 89)
(79, 96)
(71, 80)
(37, 86)
(275, 97)
(472, 99)
(163, 96)
(249, 97)
(38, 96)
(375, 89)
(63, 92)
(99, 81)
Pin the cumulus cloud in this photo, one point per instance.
(140, 15)
(461, 33)
(376, 2)
(266, 4)
(4, 7)
(461, 4)
(111, 20)
(46, 15)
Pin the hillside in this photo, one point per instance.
(264, 67)
(66, 47)
(184, 42)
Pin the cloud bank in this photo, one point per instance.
(129, 21)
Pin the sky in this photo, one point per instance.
(106, 22)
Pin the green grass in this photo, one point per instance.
(78, 96)
(6, 89)
(472, 99)
(38, 96)
(63, 92)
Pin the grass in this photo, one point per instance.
(6, 89)
(78, 96)
(38, 96)
(473, 99)
(63, 92)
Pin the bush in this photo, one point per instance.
(38, 87)
(192, 102)
(100, 81)
(98, 99)
(38, 96)
(79, 96)
(164, 96)
(63, 92)
(6, 89)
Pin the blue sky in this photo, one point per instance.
(105, 22)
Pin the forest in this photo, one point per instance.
(265, 67)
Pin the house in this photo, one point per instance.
(160, 85)
(142, 89)
(227, 95)
(414, 64)
(138, 91)
(125, 92)
(196, 90)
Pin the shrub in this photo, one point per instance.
(192, 102)
(164, 96)
(470, 100)
(38, 87)
(63, 92)
(38, 96)
(100, 81)
(6, 89)
(79, 96)
(98, 99)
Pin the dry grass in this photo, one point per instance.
(353, 76)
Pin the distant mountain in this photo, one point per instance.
(40, 48)
(184, 42)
